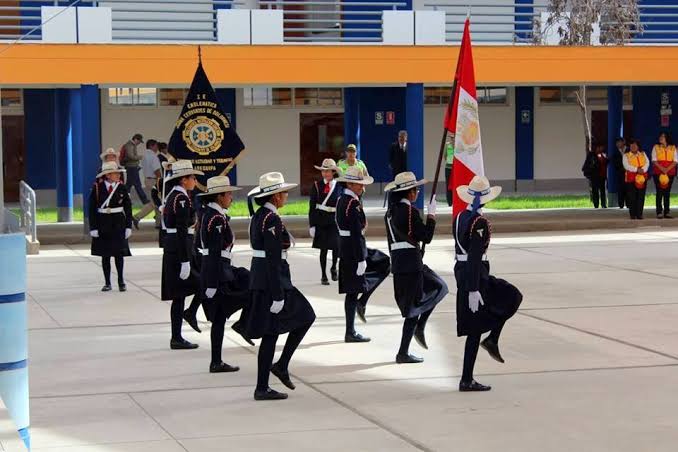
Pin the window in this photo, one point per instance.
(172, 97)
(298, 97)
(549, 95)
(317, 96)
(11, 97)
(261, 97)
(132, 96)
(440, 95)
(595, 95)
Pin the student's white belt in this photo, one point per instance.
(108, 210)
(191, 231)
(325, 208)
(224, 253)
(464, 257)
(402, 246)
(262, 254)
(344, 233)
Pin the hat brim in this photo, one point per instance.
(462, 192)
(336, 169)
(119, 170)
(218, 190)
(184, 174)
(106, 154)
(391, 186)
(257, 193)
(367, 180)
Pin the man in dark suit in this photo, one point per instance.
(398, 154)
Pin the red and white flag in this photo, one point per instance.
(461, 119)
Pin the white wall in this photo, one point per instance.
(558, 141)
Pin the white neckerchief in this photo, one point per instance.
(180, 189)
(406, 201)
(350, 193)
(217, 207)
(111, 184)
(271, 207)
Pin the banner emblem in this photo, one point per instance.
(203, 135)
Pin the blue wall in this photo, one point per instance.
(367, 34)
(39, 138)
(646, 118)
(524, 145)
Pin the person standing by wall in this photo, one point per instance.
(599, 177)
(130, 158)
(664, 161)
(618, 162)
(398, 154)
(150, 166)
(636, 165)
(449, 161)
(352, 160)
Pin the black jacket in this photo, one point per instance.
(351, 222)
(397, 158)
(179, 215)
(109, 223)
(215, 244)
(319, 217)
(405, 226)
(472, 237)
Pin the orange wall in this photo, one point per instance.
(71, 64)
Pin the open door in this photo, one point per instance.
(13, 155)
(322, 137)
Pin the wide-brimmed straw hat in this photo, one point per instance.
(219, 184)
(404, 181)
(168, 164)
(479, 186)
(107, 152)
(110, 168)
(270, 184)
(182, 168)
(329, 165)
(355, 175)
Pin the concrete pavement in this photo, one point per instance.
(592, 360)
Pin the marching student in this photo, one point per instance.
(158, 193)
(636, 165)
(110, 221)
(416, 287)
(321, 209)
(484, 303)
(225, 285)
(276, 307)
(360, 270)
(178, 218)
(664, 161)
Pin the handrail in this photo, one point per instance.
(28, 211)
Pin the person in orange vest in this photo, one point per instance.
(664, 161)
(636, 165)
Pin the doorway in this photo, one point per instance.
(322, 137)
(13, 155)
(599, 126)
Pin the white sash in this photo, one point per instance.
(110, 195)
(327, 198)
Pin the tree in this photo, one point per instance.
(575, 22)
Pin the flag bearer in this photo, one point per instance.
(416, 287)
(664, 161)
(276, 306)
(636, 165)
(321, 209)
(484, 303)
(110, 222)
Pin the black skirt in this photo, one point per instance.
(501, 301)
(378, 268)
(326, 237)
(257, 320)
(173, 286)
(418, 292)
(233, 296)
(110, 244)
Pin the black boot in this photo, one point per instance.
(222, 367)
(106, 288)
(420, 337)
(472, 386)
(360, 311)
(355, 338)
(269, 394)
(408, 359)
(492, 348)
(283, 376)
(192, 320)
(182, 344)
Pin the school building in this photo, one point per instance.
(302, 79)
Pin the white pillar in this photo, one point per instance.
(398, 28)
(429, 28)
(233, 26)
(95, 25)
(267, 26)
(59, 24)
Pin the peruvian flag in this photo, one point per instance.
(461, 119)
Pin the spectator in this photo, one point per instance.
(150, 166)
(636, 165)
(351, 160)
(131, 159)
(398, 154)
(618, 162)
(664, 161)
(449, 161)
(599, 177)
(163, 155)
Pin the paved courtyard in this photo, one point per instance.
(592, 360)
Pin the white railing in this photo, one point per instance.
(28, 219)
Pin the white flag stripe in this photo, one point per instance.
(467, 143)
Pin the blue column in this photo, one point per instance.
(523, 24)
(90, 101)
(226, 98)
(74, 139)
(39, 138)
(414, 119)
(353, 12)
(524, 143)
(352, 117)
(64, 155)
(14, 332)
(615, 118)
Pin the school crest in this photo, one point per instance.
(203, 135)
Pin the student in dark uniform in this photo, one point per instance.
(225, 285)
(110, 222)
(179, 219)
(158, 193)
(484, 303)
(416, 287)
(321, 208)
(361, 270)
(276, 306)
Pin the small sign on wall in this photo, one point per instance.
(390, 118)
(525, 116)
(379, 118)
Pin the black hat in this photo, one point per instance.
(138, 136)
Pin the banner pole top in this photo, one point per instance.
(199, 55)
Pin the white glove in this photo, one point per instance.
(474, 301)
(209, 293)
(362, 266)
(185, 271)
(277, 306)
(312, 232)
(432, 207)
(94, 233)
(128, 233)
